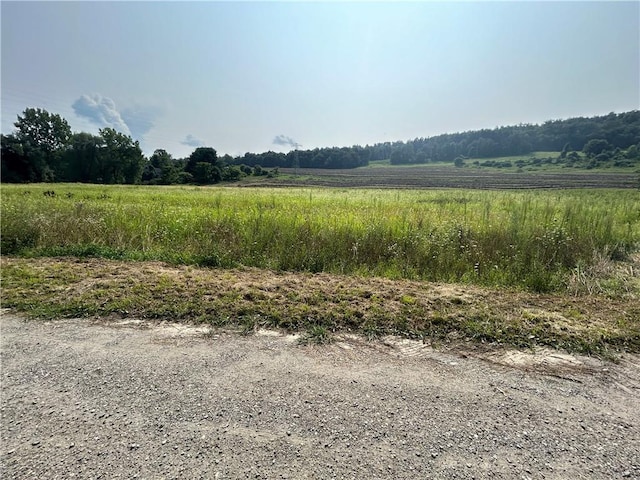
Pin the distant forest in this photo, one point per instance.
(610, 133)
(43, 149)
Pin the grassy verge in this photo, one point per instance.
(249, 298)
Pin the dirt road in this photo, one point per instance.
(82, 399)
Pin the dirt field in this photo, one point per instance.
(129, 399)
(451, 177)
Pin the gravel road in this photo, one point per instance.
(83, 399)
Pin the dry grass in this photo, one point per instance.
(604, 275)
(250, 298)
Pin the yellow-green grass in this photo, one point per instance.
(534, 240)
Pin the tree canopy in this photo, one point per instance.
(41, 129)
(44, 149)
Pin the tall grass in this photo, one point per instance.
(530, 239)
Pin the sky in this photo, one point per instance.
(257, 76)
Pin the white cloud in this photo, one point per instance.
(285, 141)
(100, 111)
(192, 141)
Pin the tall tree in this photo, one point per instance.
(16, 166)
(165, 167)
(81, 159)
(44, 137)
(120, 158)
(40, 128)
(204, 166)
(201, 155)
(595, 147)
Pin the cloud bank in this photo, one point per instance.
(286, 141)
(192, 141)
(100, 111)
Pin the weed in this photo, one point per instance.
(372, 331)
(407, 300)
(317, 335)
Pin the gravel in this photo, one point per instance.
(83, 399)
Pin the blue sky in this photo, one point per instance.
(257, 76)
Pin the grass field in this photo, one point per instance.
(567, 243)
(533, 240)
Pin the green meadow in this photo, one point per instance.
(532, 240)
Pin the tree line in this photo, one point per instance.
(613, 131)
(44, 149)
(610, 134)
